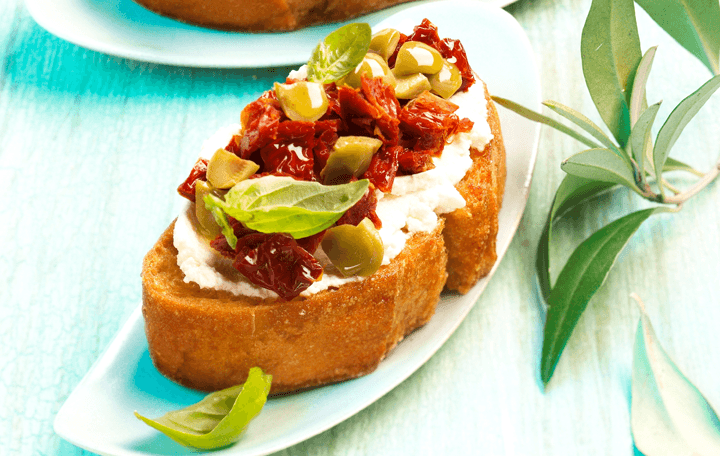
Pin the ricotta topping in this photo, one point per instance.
(412, 206)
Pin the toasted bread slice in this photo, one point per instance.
(208, 339)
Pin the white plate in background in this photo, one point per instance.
(126, 29)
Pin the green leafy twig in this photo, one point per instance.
(616, 73)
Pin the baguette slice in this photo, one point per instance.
(264, 15)
(209, 339)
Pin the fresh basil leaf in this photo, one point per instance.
(692, 23)
(339, 53)
(638, 101)
(220, 418)
(273, 204)
(669, 416)
(537, 117)
(611, 53)
(641, 137)
(572, 192)
(601, 165)
(222, 220)
(678, 120)
(586, 124)
(580, 278)
(676, 165)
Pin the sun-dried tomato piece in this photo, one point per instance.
(365, 207)
(311, 243)
(220, 243)
(234, 145)
(413, 162)
(326, 135)
(276, 262)
(383, 168)
(198, 172)
(292, 150)
(260, 120)
(454, 52)
(426, 32)
(382, 97)
(429, 121)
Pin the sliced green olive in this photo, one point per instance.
(354, 250)
(226, 169)
(208, 227)
(372, 66)
(446, 81)
(416, 57)
(302, 100)
(409, 87)
(384, 42)
(350, 156)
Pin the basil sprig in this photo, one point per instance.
(616, 74)
(220, 418)
(274, 204)
(339, 53)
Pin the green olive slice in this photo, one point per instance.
(208, 227)
(302, 100)
(226, 169)
(384, 42)
(411, 86)
(354, 250)
(350, 156)
(416, 57)
(372, 66)
(446, 81)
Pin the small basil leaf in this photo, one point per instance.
(676, 165)
(678, 120)
(692, 23)
(572, 192)
(582, 275)
(274, 204)
(637, 99)
(339, 53)
(220, 418)
(610, 49)
(641, 136)
(537, 117)
(586, 124)
(668, 414)
(602, 165)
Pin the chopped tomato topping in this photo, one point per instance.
(199, 172)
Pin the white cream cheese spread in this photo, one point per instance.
(412, 206)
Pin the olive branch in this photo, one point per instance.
(616, 73)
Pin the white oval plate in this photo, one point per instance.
(98, 415)
(126, 29)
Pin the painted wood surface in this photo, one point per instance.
(92, 147)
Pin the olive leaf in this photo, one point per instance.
(273, 204)
(637, 98)
(220, 418)
(611, 53)
(601, 165)
(580, 278)
(692, 23)
(668, 414)
(676, 165)
(678, 120)
(586, 124)
(572, 192)
(641, 137)
(339, 53)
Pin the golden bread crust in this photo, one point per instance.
(263, 15)
(208, 339)
(470, 232)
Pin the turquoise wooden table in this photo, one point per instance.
(92, 146)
